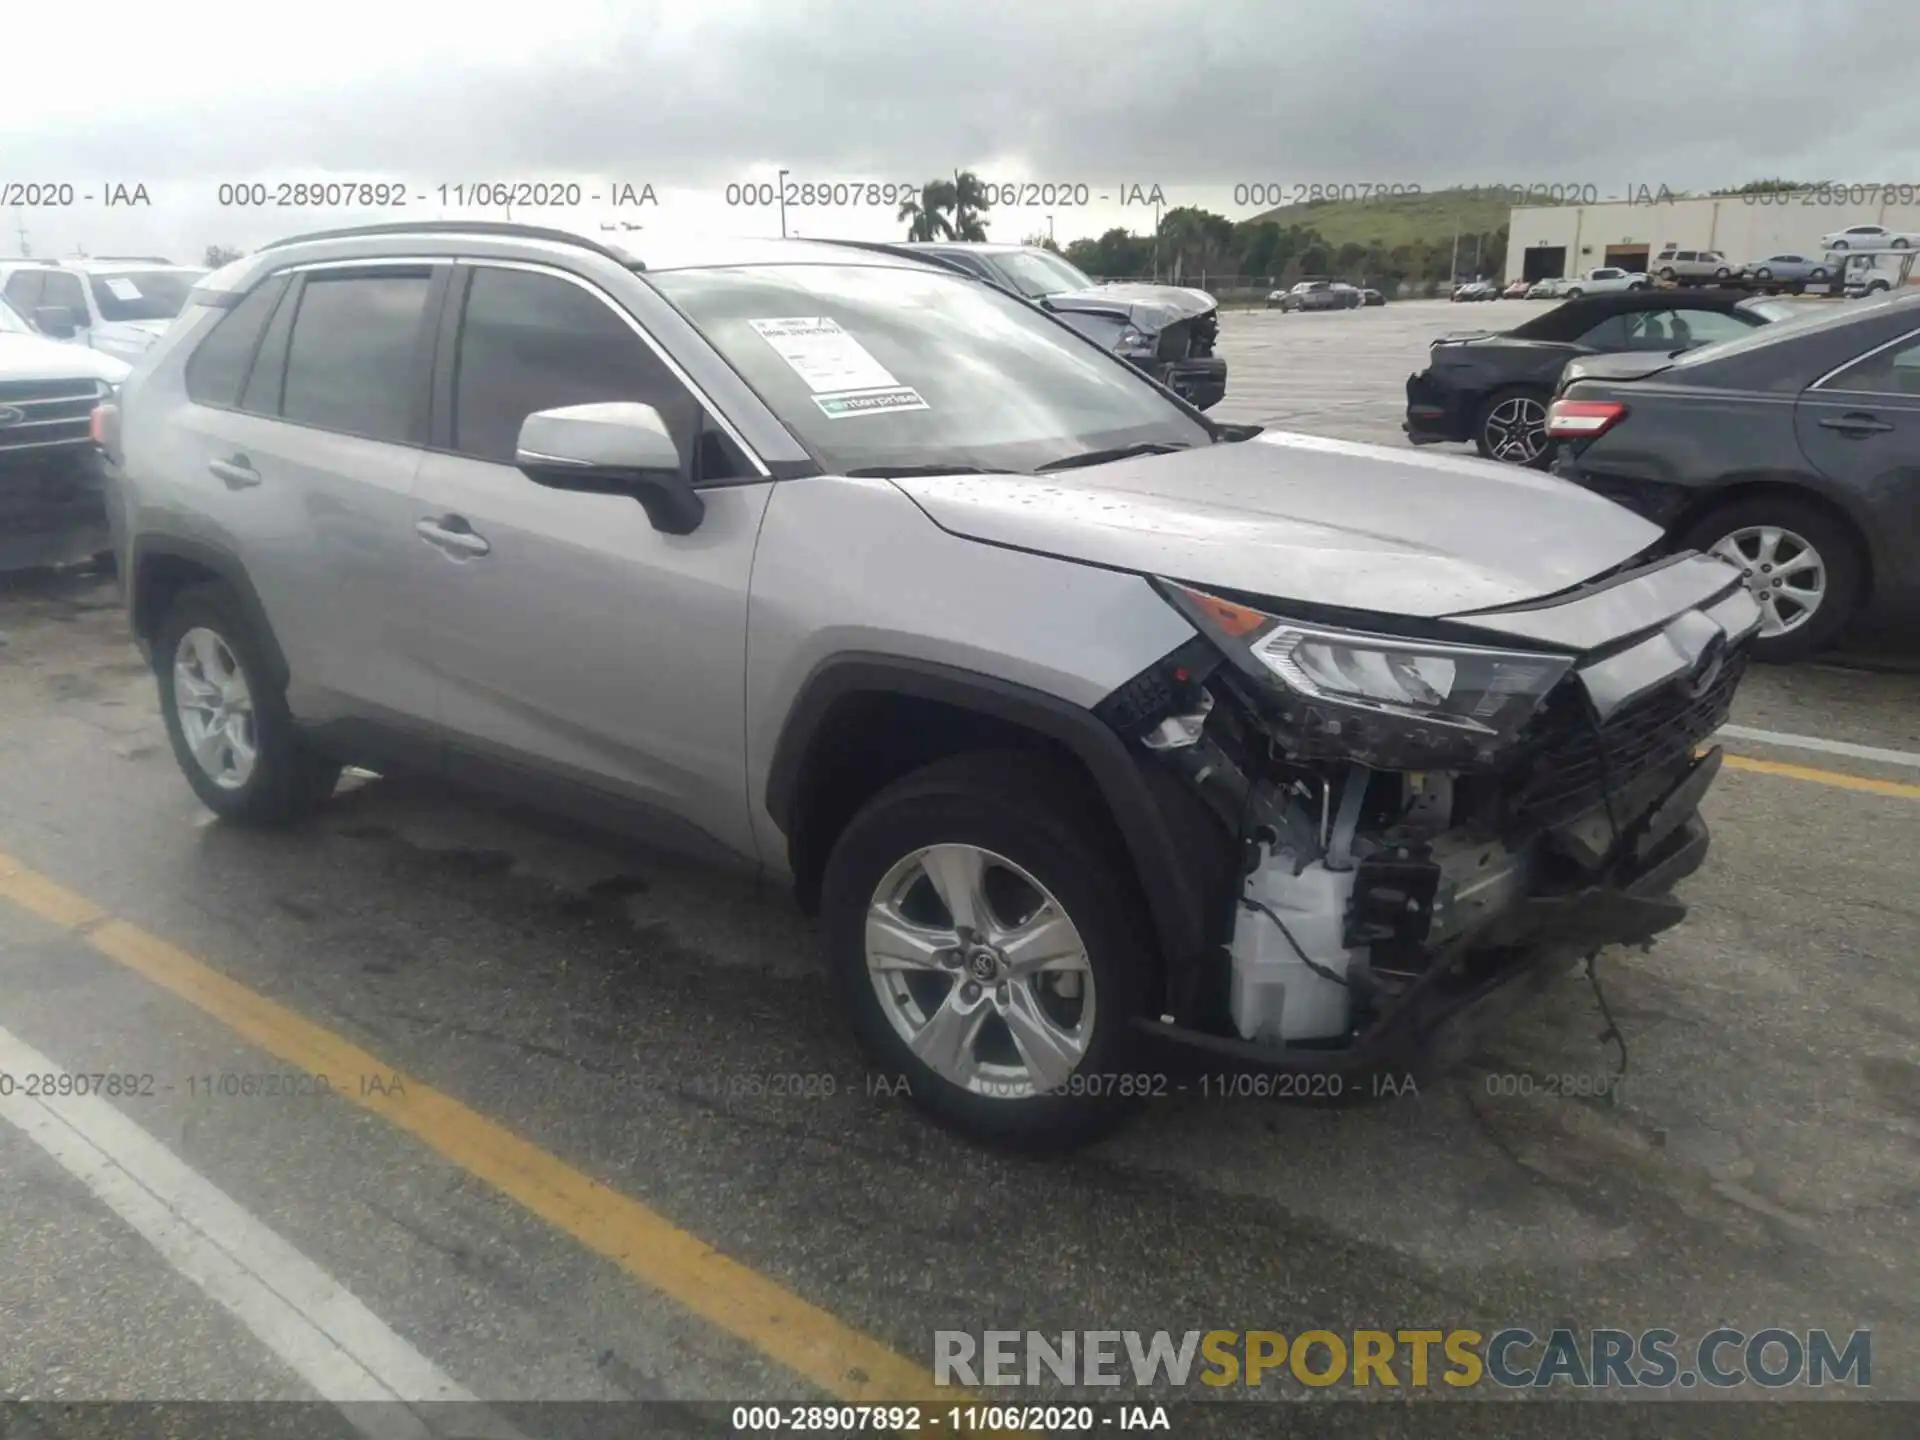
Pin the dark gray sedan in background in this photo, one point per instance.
(1793, 452)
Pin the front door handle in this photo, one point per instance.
(238, 472)
(1856, 425)
(451, 534)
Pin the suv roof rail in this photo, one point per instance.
(465, 227)
(125, 259)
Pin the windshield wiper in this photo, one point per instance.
(1116, 452)
(902, 472)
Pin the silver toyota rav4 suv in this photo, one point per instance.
(1095, 731)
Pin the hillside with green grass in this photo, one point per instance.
(1396, 220)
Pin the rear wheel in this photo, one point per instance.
(991, 949)
(1667, 272)
(1511, 427)
(1801, 565)
(230, 728)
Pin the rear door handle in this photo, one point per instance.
(452, 534)
(1856, 425)
(238, 472)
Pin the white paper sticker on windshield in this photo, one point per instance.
(123, 289)
(830, 360)
(870, 402)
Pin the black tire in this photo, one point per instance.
(1899, 244)
(1763, 274)
(1819, 272)
(1027, 810)
(1484, 415)
(1575, 293)
(289, 781)
(1667, 273)
(1839, 549)
(1838, 245)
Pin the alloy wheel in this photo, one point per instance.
(1516, 430)
(214, 705)
(980, 971)
(1783, 572)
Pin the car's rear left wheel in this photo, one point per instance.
(987, 939)
(231, 730)
(1800, 565)
(1512, 427)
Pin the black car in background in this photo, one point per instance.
(1794, 453)
(1165, 330)
(1492, 387)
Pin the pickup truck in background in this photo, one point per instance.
(1605, 280)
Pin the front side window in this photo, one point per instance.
(142, 294)
(354, 357)
(63, 289)
(537, 342)
(23, 290)
(883, 367)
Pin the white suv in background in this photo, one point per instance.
(1693, 265)
(116, 306)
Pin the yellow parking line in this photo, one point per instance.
(805, 1339)
(1839, 779)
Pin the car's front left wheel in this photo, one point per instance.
(231, 730)
(987, 938)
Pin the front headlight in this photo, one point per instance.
(1132, 340)
(1383, 699)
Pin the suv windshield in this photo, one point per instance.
(142, 294)
(884, 368)
(1036, 273)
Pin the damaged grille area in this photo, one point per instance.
(1174, 341)
(39, 413)
(1563, 771)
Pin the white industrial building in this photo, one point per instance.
(1548, 240)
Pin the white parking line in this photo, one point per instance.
(298, 1311)
(1825, 747)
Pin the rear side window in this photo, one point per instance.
(218, 367)
(353, 364)
(1892, 371)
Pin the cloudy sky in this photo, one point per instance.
(1201, 99)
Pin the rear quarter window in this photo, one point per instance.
(218, 368)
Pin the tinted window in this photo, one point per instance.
(218, 367)
(65, 289)
(262, 395)
(23, 290)
(535, 342)
(352, 363)
(143, 294)
(879, 367)
(1893, 371)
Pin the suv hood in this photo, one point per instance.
(1299, 518)
(33, 357)
(1146, 307)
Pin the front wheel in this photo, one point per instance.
(988, 941)
(1763, 274)
(1667, 273)
(1838, 245)
(1801, 565)
(1575, 294)
(230, 728)
(1817, 273)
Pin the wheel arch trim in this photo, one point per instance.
(144, 617)
(1172, 897)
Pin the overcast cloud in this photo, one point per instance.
(1195, 97)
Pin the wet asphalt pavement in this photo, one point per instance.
(666, 1030)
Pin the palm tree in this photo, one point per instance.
(970, 203)
(926, 215)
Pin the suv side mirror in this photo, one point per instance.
(55, 322)
(615, 448)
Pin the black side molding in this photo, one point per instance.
(1171, 892)
(154, 551)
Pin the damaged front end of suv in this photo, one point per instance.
(1417, 820)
